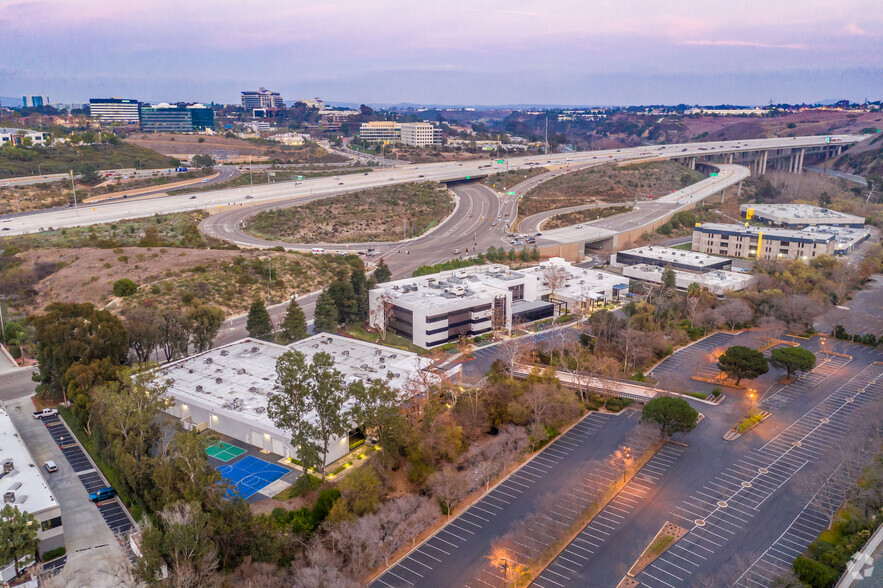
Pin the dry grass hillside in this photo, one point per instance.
(220, 146)
(378, 214)
(609, 183)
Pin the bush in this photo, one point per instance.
(15, 351)
(816, 574)
(53, 553)
(124, 287)
(615, 404)
(698, 395)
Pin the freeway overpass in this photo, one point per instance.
(756, 153)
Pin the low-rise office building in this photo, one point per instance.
(115, 110)
(798, 216)
(436, 309)
(169, 118)
(846, 239)
(24, 487)
(421, 134)
(380, 131)
(574, 288)
(717, 282)
(226, 389)
(16, 137)
(762, 242)
(690, 261)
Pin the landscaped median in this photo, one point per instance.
(746, 425)
(667, 536)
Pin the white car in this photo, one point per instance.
(579, 226)
(50, 466)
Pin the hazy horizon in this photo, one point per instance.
(499, 53)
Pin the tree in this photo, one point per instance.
(382, 273)
(258, 323)
(18, 536)
(448, 486)
(308, 401)
(793, 359)
(181, 540)
(69, 333)
(144, 332)
(376, 410)
(124, 287)
(206, 321)
(736, 312)
(294, 325)
(670, 414)
(360, 289)
(668, 278)
(325, 318)
(341, 291)
(203, 161)
(175, 329)
(88, 172)
(742, 362)
(554, 278)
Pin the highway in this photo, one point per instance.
(329, 186)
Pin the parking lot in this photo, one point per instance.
(457, 553)
(113, 512)
(568, 569)
(688, 361)
(735, 501)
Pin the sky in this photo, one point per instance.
(454, 52)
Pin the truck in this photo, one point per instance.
(46, 412)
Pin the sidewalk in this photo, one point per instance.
(861, 572)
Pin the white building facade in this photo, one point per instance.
(421, 134)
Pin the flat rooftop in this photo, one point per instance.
(846, 237)
(715, 280)
(32, 494)
(813, 234)
(239, 377)
(580, 281)
(440, 290)
(798, 212)
(676, 255)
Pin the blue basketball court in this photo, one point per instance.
(251, 474)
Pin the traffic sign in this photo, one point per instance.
(500, 161)
(713, 174)
(511, 193)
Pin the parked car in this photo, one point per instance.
(456, 251)
(46, 412)
(103, 494)
(50, 466)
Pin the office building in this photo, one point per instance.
(798, 216)
(573, 288)
(261, 98)
(380, 131)
(690, 261)
(168, 118)
(717, 282)
(439, 308)
(420, 134)
(15, 137)
(114, 110)
(24, 487)
(762, 242)
(226, 388)
(34, 101)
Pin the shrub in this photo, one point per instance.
(698, 395)
(53, 553)
(124, 287)
(816, 574)
(15, 351)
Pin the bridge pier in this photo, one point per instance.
(800, 155)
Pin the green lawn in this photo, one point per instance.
(688, 246)
(392, 340)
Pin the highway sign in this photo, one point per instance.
(500, 161)
(511, 193)
(713, 174)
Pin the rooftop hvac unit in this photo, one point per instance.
(171, 381)
(189, 370)
(218, 380)
(364, 366)
(8, 497)
(378, 351)
(199, 388)
(224, 352)
(460, 273)
(253, 389)
(240, 371)
(393, 355)
(208, 360)
(261, 409)
(315, 345)
(345, 352)
(8, 466)
(254, 349)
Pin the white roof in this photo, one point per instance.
(676, 255)
(32, 494)
(786, 212)
(581, 282)
(238, 378)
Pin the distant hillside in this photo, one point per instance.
(863, 160)
(62, 158)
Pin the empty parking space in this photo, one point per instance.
(116, 516)
(827, 365)
(465, 540)
(686, 361)
(572, 561)
(729, 504)
(92, 481)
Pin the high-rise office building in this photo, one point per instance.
(34, 101)
(262, 98)
(170, 118)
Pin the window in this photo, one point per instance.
(51, 523)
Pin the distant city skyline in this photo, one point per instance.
(490, 53)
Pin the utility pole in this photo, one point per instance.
(269, 277)
(74, 187)
(546, 146)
